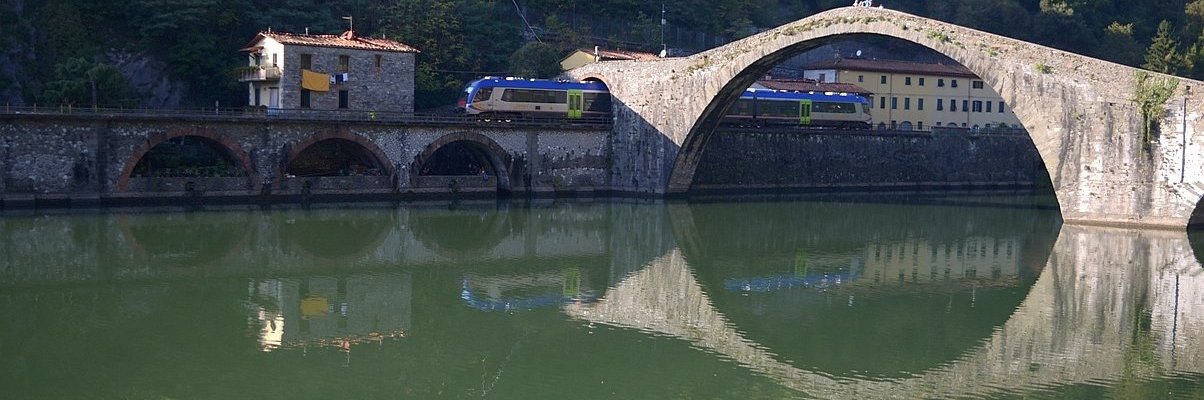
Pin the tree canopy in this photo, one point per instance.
(464, 39)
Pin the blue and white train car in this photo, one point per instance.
(762, 107)
(511, 98)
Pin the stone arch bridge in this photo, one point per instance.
(48, 158)
(1079, 111)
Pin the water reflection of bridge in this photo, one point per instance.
(1088, 318)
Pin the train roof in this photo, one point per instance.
(520, 83)
(813, 96)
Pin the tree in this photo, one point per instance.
(1120, 45)
(80, 82)
(536, 60)
(1163, 55)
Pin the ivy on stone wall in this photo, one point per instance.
(1150, 96)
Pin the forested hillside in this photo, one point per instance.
(163, 53)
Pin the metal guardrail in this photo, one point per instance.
(281, 114)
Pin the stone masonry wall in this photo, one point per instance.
(387, 89)
(49, 158)
(755, 160)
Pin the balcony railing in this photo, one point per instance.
(258, 74)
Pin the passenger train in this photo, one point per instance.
(494, 98)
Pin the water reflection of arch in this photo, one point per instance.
(463, 231)
(803, 257)
(341, 134)
(335, 234)
(231, 149)
(194, 239)
(499, 159)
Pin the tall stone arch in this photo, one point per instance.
(232, 148)
(368, 145)
(499, 158)
(1079, 111)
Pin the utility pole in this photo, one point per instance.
(664, 48)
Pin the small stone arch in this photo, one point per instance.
(232, 148)
(499, 158)
(295, 150)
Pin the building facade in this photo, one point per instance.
(919, 96)
(329, 72)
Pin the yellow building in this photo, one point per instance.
(919, 96)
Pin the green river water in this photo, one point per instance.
(934, 297)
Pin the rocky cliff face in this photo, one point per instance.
(151, 78)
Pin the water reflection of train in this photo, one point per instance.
(911, 261)
(494, 98)
(527, 291)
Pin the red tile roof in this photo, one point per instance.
(893, 66)
(807, 85)
(347, 40)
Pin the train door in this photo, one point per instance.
(575, 103)
(804, 112)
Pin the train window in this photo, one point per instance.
(831, 107)
(743, 108)
(508, 95)
(596, 102)
(483, 94)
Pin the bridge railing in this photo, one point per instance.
(298, 114)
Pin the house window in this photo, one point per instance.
(953, 105)
(342, 99)
(274, 64)
(907, 81)
(894, 103)
(307, 61)
(344, 63)
(940, 82)
(919, 125)
(1001, 106)
(883, 79)
(304, 98)
(940, 104)
(988, 106)
(906, 103)
(823, 77)
(977, 106)
(966, 105)
(920, 104)
(860, 78)
(953, 83)
(882, 103)
(977, 84)
(257, 96)
(921, 81)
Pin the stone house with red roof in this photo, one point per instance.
(289, 71)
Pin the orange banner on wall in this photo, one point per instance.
(315, 81)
